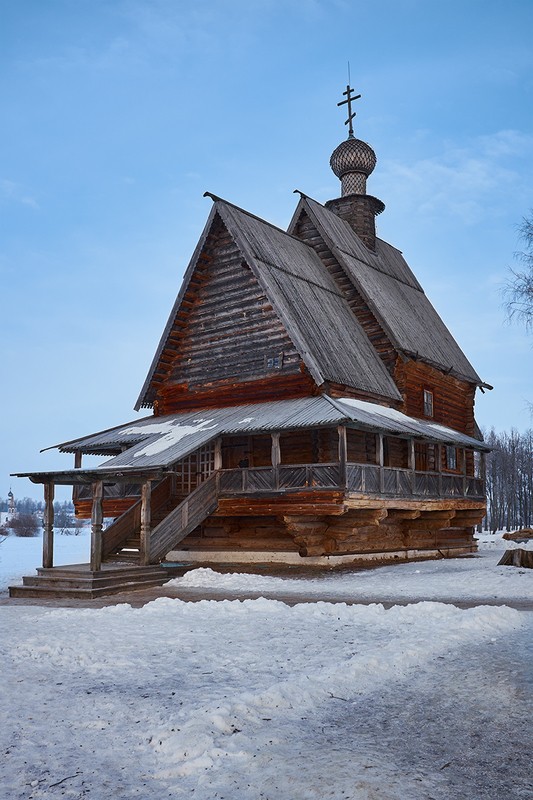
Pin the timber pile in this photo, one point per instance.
(523, 535)
(517, 558)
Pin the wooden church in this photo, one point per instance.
(308, 406)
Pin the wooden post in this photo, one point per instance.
(97, 517)
(464, 472)
(343, 450)
(439, 467)
(483, 469)
(48, 528)
(218, 454)
(276, 459)
(412, 463)
(146, 523)
(379, 460)
(77, 465)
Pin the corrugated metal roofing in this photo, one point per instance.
(393, 293)
(161, 441)
(373, 416)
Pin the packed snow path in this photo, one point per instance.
(256, 699)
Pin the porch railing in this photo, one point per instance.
(360, 479)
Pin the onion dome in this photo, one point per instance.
(353, 161)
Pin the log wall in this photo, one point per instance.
(226, 338)
(357, 531)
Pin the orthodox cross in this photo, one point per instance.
(349, 100)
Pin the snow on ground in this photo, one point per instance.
(22, 555)
(256, 699)
(472, 579)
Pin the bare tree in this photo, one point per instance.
(518, 291)
(24, 525)
(4, 533)
(509, 480)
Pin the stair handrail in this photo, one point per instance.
(184, 518)
(128, 524)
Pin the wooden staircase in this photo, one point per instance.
(184, 518)
(122, 539)
(173, 518)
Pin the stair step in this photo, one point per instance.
(77, 593)
(78, 582)
(130, 558)
(82, 571)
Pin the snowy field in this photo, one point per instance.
(258, 700)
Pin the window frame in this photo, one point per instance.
(451, 457)
(428, 401)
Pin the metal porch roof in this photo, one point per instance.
(156, 443)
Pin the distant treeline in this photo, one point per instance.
(509, 480)
(27, 505)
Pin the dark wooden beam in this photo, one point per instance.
(217, 463)
(276, 457)
(96, 525)
(343, 450)
(146, 523)
(48, 529)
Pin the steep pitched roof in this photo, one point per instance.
(392, 292)
(316, 316)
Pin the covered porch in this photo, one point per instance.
(178, 477)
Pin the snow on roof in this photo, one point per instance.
(392, 421)
(162, 441)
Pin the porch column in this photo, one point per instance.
(97, 517)
(411, 461)
(379, 460)
(276, 458)
(464, 472)
(343, 450)
(483, 468)
(217, 462)
(146, 523)
(48, 527)
(439, 467)
(77, 465)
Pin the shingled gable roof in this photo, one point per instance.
(316, 316)
(392, 293)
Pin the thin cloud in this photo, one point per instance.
(463, 181)
(15, 193)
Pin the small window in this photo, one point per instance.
(451, 457)
(428, 403)
(275, 362)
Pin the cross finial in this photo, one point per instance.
(349, 99)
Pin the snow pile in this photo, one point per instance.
(218, 699)
(475, 579)
(495, 541)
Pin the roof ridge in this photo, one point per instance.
(217, 199)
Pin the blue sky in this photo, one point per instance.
(118, 115)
